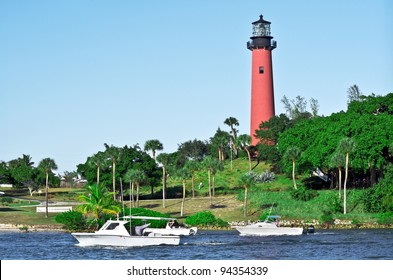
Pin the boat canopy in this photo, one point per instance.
(148, 218)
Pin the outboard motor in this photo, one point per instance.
(310, 229)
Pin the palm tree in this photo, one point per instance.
(99, 202)
(192, 166)
(346, 145)
(232, 122)
(214, 167)
(220, 141)
(338, 160)
(247, 181)
(153, 146)
(47, 165)
(163, 158)
(244, 142)
(113, 152)
(27, 160)
(207, 163)
(293, 153)
(136, 176)
(97, 160)
(184, 174)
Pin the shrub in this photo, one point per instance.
(72, 220)
(303, 193)
(205, 218)
(327, 217)
(6, 200)
(265, 177)
(335, 205)
(385, 218)
(379, 198)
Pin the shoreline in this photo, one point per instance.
(30, 228)
(59, 228)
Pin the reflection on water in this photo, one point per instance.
(373, 244)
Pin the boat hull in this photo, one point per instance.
(173, 231)
(87, 239)
(268, 231)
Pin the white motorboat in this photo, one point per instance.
(270, 226)
(114, 233)
(173, 228)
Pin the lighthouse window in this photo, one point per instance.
(261, 69)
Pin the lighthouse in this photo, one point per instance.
(262, 92)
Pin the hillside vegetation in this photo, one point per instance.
(227, 204)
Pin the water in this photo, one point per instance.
(360, 244)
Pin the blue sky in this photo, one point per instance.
(77, 74)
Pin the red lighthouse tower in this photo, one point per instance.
(262, 93)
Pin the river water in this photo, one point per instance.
(359, 244)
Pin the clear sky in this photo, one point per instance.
(75, 74)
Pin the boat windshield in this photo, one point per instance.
(112, 226)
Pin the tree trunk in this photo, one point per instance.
(245, 201)
(339, 182)
(184, 198)
(345, 183)
(46, 195)
(193, 184)
(132, 193)
(163, 185)
(113, 179)
(213, 184)
(293, 175)
(210, 187)
(137, 195)
(131, 196)
(249, 159)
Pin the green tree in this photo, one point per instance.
(153, 145)
(347, 146)
(99, 202)
(293, 153)
(193, 149)
(22, 172)
(338, 161)
(214, 167)
(5, 176)
(192, 166)
(232, 123)
(97, 160)
(207, 163)
(47, 165)
(220, 142)
(113, 153)
(164, 159)
(69, 178)
(136, 176)
(244, 142)
(247, 181)
(184, 174)
(354, 93)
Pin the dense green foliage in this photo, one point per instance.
(72, 220)
(126, 158)
(21, 173)
(303, 193)
(380, 197)
(205, 218)
(98, 202)
(298, 143)
(368, 122)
